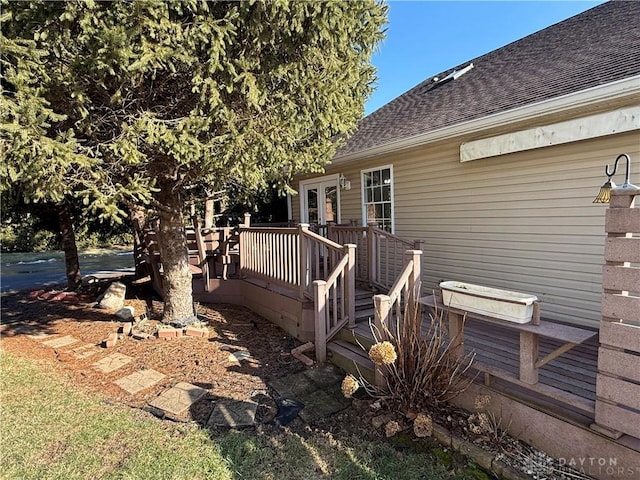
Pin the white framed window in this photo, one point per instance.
(377, 197)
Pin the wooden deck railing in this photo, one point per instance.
(310, 264)
(380, 254)
(334, 301)
(394, 309)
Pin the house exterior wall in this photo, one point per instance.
(523, 221)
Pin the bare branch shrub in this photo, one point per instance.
(428, 371)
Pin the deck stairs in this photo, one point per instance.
(347, 348)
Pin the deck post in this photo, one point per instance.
(320, 305)
(528, 357)
(456, 333)
(415, 286)
(247, 220)
(382, 306)
(304, 260)
(415, 280)
(350, 282)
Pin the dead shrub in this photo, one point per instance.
(427, 371)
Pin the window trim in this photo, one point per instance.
(363, 196)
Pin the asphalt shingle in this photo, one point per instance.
(596, 47)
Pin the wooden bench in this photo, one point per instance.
(530, 362)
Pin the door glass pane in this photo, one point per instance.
(312, 205)
(331, 204)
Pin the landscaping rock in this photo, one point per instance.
(126, 314)
(113, 297)
(183, 322)
(237, 357)
(380, 420)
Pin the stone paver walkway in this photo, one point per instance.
(85, 351)
(112, 362)
(139, 380)
(318, 389)
(233, 413)
(176, 400)
(61, 342)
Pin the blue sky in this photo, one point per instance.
(427, 37)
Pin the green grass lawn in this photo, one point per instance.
(52, 430)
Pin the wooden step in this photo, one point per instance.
(363, 315)
(360, 336)
(352, 359)
(364, 302)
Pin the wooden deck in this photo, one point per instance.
(566, 385)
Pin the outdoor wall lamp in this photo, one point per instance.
(344, 183)
(605, 191)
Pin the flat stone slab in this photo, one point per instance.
(112, 362)
(85, 351)
(139, 380)
(318, 388)
(39, 335)
(233, 413)
(322, 404)
(61, 342)
(178, 398)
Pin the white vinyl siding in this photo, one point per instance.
(521, 222)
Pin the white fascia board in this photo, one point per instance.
(593, 126)
(629, 87)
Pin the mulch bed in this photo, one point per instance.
(200, 361)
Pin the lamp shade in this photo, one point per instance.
(605, 192)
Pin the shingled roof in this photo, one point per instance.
(596, 47)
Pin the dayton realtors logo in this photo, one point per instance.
(608, 466)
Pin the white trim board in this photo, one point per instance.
(602, 94)
(593, 126)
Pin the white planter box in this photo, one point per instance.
(492, 302)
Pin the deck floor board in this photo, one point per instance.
(498, 347)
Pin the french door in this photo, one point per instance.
(320, 203)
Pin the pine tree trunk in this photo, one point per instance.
(138, 219)
(209, 211)
(71, 260)
(178, 300)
